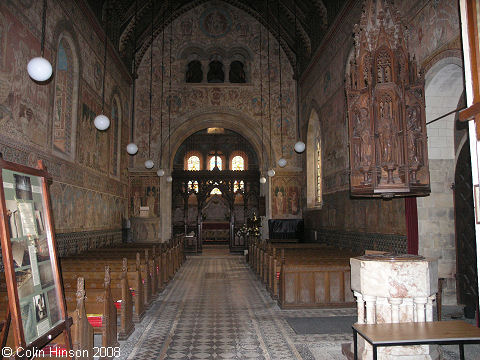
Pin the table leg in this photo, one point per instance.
(374, 352)
(462, 353)
(355, 354)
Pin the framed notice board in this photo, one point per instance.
(34, 285)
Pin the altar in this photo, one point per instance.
(216, 232)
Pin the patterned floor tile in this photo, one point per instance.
(216, 308)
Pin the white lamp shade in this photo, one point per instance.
(169, 178)
(263, 180)
(149, 164)
(160, 172)
(101, 122)
(271, 172)
(132, 148)
(299, 147)
(282, 162)
(39, 69)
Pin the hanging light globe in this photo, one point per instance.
(282, 162)
(132, 148)
(101, 122)
(299, 147)
(160, 172)
(263, 180)
(169, 178)
(39, 69)
(149, 164)
(271, 172)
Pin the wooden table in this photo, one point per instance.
(416, 333)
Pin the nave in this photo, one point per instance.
(217, 308)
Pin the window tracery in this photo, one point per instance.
(193, 163)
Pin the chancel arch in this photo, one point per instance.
(314, 161)
(225, 175)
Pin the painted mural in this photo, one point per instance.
(93, 145)
(38, 122)
(286, 197)
(144, 191)
(221, 30)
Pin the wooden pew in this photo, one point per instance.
(99, 302)
(120, 289)
(94, 268)
(96, 262)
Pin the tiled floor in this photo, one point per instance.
(216, 308)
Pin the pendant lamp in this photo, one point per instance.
(270, 172)
(149, 163)
(101, 121)
(282, 162)
(299, 145)
(161, 171)
(40, 68)
(263, 180)
(132, 148)
(169, 177)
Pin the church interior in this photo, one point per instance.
(238, 179)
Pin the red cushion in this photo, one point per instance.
(95, 321)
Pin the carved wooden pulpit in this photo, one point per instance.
(386, 109)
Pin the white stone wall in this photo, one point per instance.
(436, 224)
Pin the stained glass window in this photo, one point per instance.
(193, 163)
(219, 162)
(318, 197)
(216, 191)
(238, 185)
(193, 185)
(238, 163)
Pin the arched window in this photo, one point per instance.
(66, 82)
(193, 185)
(212, 162)
(318, 162)
(215, 191)
(238, 185)
(194, 72)
(314, 162)
(193, 163)
(215, 72)
(238, 163)
(237, 72)
(115, 126)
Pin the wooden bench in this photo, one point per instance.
(93, 269)
(101, 310)
(96, 263)
(303, 275)
(120, 290)
(416, 333)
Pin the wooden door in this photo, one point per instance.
(467, 286)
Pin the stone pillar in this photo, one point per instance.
(394, 289)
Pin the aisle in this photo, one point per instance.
(215, 308)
